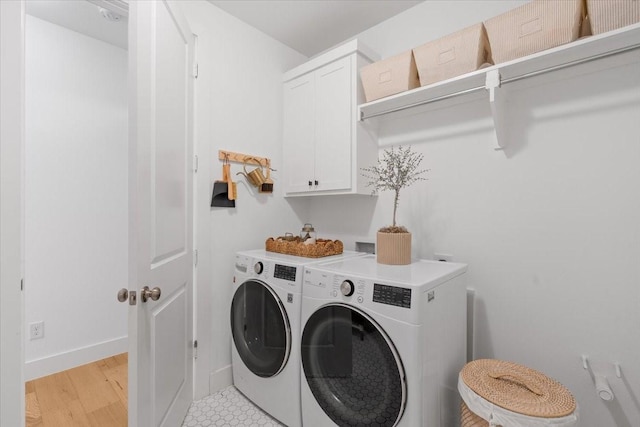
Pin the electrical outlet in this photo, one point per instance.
(36, 330)
(443, 257)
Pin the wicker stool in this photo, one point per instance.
(509, 394)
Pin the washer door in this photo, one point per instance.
(260, 328)
(352, 367)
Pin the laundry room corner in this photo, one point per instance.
(238, 108)
(317, 213)
(548, 226)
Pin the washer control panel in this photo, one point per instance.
(285, 272)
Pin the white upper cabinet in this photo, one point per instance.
(299, 108)
(324, 144)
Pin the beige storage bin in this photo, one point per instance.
(607, 15)
(389, 76)
(533, 27)
(455, 54)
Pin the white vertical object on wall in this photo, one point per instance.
(75, 197)
(11, 162)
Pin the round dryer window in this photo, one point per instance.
(260, 328)
(352, 368)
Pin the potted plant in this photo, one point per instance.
(398, 168)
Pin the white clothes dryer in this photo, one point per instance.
(265, 329)
(382, 345)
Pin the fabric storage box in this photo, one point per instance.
(389, 76)
(607, 15)
(455, 54)
(533, 27)
(513, 395)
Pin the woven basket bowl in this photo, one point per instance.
(321, 248)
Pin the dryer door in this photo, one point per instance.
(260, 328)
(353, 368)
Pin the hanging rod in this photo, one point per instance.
(504, 81)
(571, 63)
(425, 102)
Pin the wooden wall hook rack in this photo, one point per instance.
(243, 158)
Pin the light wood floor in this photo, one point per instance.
(93, 395)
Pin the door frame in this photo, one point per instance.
(12, 404)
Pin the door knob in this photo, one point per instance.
(123, 295)
(147, 293)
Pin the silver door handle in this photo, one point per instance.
(147, 293)
(123, 295)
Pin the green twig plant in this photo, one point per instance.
(398, 168)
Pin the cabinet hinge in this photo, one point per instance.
(195, 349)
(195, 70)
(195, 164)
(195, 257)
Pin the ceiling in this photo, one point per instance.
(83, 17)
(307, 26)
(313, 26)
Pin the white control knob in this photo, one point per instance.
(258, 267)
(347, 288)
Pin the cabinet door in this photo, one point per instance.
(334, 121)
(298, 133)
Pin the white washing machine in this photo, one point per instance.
(382, 345)
(265, 327)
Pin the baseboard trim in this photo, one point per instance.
(70, 359)
(220, 379)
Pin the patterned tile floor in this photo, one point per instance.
(228, 407)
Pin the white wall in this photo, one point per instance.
(75, 197)
(549, 228)
(238, 108)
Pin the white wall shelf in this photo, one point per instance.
(491, 79)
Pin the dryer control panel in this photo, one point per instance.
(392, 295)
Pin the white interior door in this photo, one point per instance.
(161, 54)
(11, 225)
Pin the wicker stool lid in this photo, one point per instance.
(518, 388)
